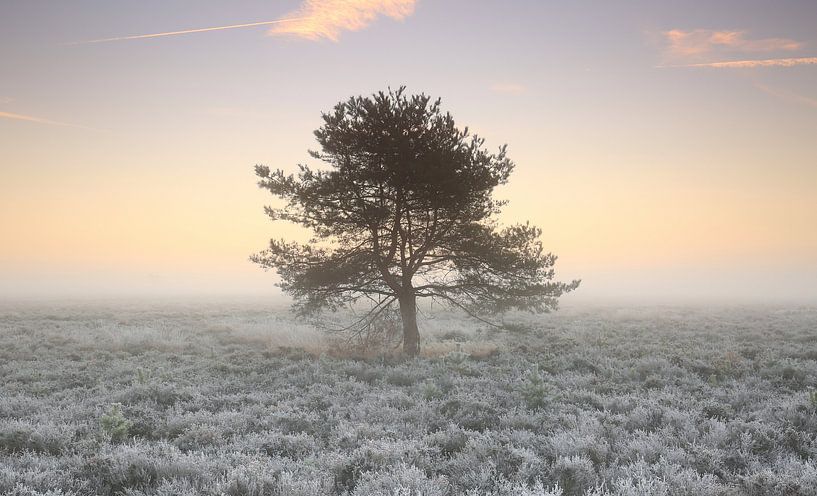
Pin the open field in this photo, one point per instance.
(245, 401)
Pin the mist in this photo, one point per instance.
(704, 287)
(408, 248)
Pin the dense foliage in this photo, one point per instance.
(602, 402)
(404, 211)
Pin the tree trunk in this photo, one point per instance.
(408, 314)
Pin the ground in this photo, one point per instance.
(243, 400)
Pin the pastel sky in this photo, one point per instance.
(668, 149)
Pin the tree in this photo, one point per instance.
(404, 211)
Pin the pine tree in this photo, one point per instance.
(404, 210)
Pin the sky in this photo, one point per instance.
(668, 149)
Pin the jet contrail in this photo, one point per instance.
(187, 31)
(39, 120)
(789, 96)
(743, 64)
(21, 117)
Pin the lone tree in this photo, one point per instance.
(404, 210)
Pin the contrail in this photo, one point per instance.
(789, 96)
(39, 120)
(187, 31)
(743, 64)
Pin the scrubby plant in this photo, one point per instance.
(449, 442)
(349, 471)
(454, 335)
(456, 358)
(142, 376)
(518, 328)
(430, 391)
(508, 488)
(198, 437)
(812, 399)
(470, 414)
(401, 377)
(18, 437)
(294, 446)
(402, 480)
(459, 361)
(114, 425)
(729, 363)
(535, 391)
(793, 375)
(575, 475)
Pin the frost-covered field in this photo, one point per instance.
(203, 400)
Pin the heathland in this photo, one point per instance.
(245, 400)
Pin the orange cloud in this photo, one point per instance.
(327, 19)
(698, 42)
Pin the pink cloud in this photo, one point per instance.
(682, 44)
(327, 19)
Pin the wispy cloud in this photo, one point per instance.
(788, 96)
(40, 120)
(509, 88)
(186, 31)
(5, 99)
(700, 42)
(749, 64)
(710, 48)
(327, 19)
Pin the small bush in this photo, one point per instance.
(16, 439)
(198, 437)
(471, 414)
(296, 447)
(449, 442)
(114, 424)
(575, 475)
(402, 480)
(535, 391)
(431, 391)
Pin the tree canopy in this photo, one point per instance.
(404, 210)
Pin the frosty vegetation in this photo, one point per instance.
(244, 401)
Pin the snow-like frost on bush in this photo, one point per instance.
(401, 480)
(676, 402)
(506, 488)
